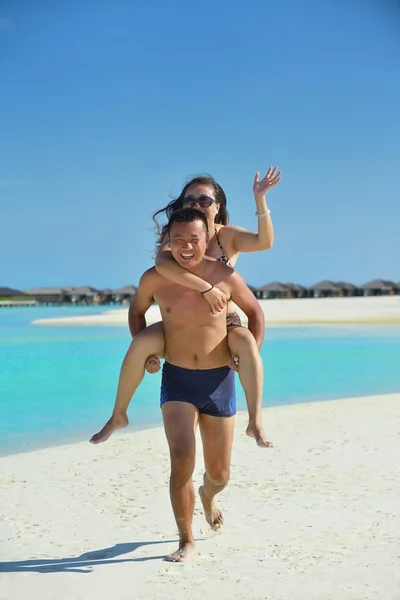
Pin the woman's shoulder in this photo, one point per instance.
(228, 232)
(225, 234)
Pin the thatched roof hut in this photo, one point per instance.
(124, 294)
(49, 295)
(84, 290)
(378, 287)
(325, 288)
(126, 289)
(47, 290)
(275, 289)
(296, 290)
(253, 289)
(348, 289)
(84, 294)
(326, 284)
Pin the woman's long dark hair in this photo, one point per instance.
(221, 217)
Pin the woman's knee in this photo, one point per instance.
(240, 338)
(149, 341)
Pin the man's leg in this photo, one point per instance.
(149, 341)
(243, 345)
(217, 437)
(180, 424)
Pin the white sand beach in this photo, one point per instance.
(303, 311)
(315, 518)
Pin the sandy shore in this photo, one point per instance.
(316, 518)
(305, 311)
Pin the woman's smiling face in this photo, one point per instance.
(202, 197)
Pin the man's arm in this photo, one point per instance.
(245, 299)
(141, 302)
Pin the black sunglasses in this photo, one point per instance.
(203, 201)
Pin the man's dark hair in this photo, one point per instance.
(187, 215)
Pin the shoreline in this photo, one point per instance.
(313, 517)
(73, 439)
(375, 310)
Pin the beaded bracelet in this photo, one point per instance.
(264, 214)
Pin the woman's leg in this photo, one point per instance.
(149, 341)
(250, 368)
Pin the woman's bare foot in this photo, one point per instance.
(184, 553)
(212, 511)
(112, 425)
(258, 433)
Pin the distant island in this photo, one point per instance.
(86, 295)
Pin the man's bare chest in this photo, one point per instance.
(183, 306)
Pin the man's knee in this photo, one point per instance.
(182, 459)
(218, 477)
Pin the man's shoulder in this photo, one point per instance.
(150, 272)
(149, 276)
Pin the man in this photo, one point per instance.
(197, 386)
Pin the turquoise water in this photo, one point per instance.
(57, 384)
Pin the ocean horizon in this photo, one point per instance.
(58, 383)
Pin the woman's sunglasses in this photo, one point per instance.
(202, 201)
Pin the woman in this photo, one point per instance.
(225, 244)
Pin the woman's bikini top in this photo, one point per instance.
(223, 258)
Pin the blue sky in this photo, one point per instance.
(107, 107)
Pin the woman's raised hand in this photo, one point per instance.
(272, 178)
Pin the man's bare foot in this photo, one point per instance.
(258, 433)
(184, 553)
(112, 425)
(212, 511)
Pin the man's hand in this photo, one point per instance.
(234, 363)
(152, 364)
(216, 299)
(272, 178)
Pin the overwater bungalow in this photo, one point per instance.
(124, 294)
(253, 289)
(276, 289)
(324, 289)
(380, 287)
(296, 291)
(83, 295)
(348, 289)
(50, 295)
(106, 296)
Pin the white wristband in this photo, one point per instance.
(264, 214)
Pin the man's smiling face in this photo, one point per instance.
(188, 243)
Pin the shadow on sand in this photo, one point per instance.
(82, 563)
